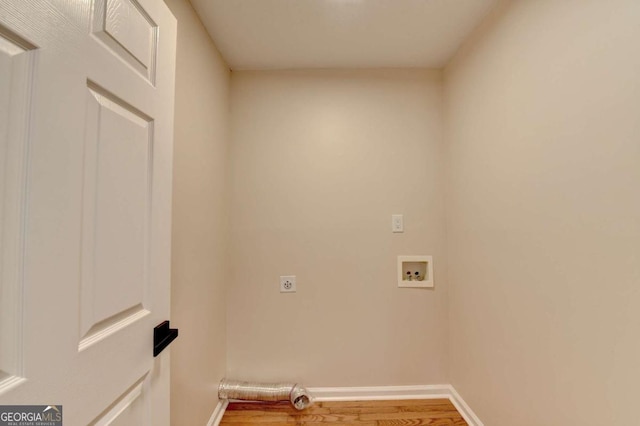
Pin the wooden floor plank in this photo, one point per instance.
(386, 403)
(411, 415)
(431, 412)
(419, 422)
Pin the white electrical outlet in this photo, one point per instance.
(288, 284)
(397, 223)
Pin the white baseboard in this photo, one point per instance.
(218, 412)
(464, 409)
(374, 393)
(379, 393)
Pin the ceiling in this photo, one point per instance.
(285, 34)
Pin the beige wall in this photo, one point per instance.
(320, 161)
(200, 214)
(543, 124)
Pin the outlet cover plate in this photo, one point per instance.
(288, 284)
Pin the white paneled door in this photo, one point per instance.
(86, 130)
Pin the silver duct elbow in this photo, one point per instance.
(253, 391)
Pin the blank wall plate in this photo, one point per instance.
(397, 223)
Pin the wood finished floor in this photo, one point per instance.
(433, 412)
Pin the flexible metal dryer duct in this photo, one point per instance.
(299, 397)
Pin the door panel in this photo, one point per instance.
(117, 193)
(85, 196)
(125, 27)
(16, 67)
(131, 408)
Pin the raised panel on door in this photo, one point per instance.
(116, 213)
(131, 408)
(16, 79)
(126, 28)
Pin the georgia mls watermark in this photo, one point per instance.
(30, 415)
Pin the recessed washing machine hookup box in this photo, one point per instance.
(415, 271)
